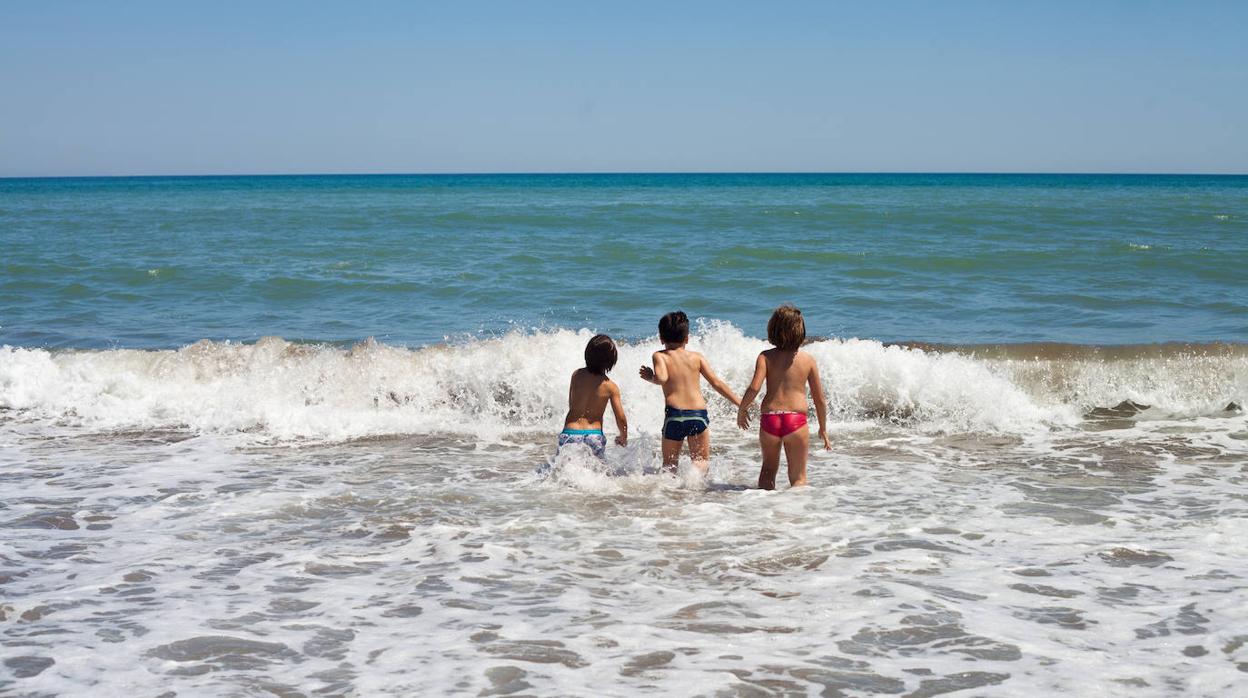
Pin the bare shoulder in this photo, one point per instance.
(807, 360)
(763, 359)
(703, 362)
(610, 386)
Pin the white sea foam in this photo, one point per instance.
(973, 527)
(403, 569)
(208, 521)
(277, 390)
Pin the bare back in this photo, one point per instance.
(588, 395)
(682, 369)
(788, 374)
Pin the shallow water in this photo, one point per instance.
(213, 482)
(422, 564)
(979, 524)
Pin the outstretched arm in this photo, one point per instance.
(756, 384)
(656, 375)
(719, 386)
(821, 403)
(621, 422)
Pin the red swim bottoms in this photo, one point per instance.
(782, 423)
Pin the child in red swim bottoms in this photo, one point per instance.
(781, 424)
(788, 371)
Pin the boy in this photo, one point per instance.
(678, 370)
(588, 394)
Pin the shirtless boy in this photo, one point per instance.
(589, 391)
(788, 371)
(679, 371)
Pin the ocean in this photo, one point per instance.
(294, 435)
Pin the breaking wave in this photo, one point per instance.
(279, 390)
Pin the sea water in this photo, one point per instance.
(290, 435)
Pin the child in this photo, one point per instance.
(788, 371)
(677, 370)
(588, 395)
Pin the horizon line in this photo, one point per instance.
(521, 173)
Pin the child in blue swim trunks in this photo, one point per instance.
(679, 371)
(588, 394)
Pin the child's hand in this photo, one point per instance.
(647, 374)
(743, 419)
(621, 440)
(823, 434)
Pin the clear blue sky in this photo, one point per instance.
(272, 87)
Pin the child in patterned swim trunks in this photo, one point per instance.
(588, 394)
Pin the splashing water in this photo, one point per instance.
(286, 517)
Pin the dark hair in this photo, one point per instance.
(674, 327)
(600, 354)
(786, 329)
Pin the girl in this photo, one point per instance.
(788, 370)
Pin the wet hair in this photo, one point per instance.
(786, 329)
(674, 327)
(600, 354)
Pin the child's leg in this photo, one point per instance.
(700, 451)
(770, 445)
(671, 455)
(796, 448)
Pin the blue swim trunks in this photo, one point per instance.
(679, 425)
(593, 438)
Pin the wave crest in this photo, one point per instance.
(280, 390)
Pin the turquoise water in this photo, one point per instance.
(413, 260)
(306, 511)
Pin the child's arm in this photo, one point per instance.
(821, 403)
(719, 386)
(656, 375)
(756, 384)
(621, 422)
